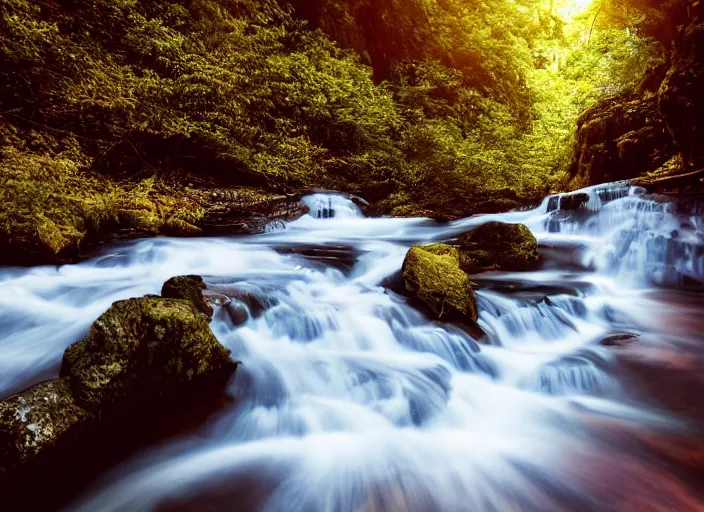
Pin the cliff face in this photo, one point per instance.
(681, 96)
(622, 138)
(658, 130)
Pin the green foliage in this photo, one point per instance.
(483, 40)
(589, 62)
(50, 200)
(148, 91)
(466, 103)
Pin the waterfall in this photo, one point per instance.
(328, 206)
(348, 398)
(645, 240)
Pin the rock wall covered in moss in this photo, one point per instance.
(655, 131)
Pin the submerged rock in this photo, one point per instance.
(433, 275)
(237, 312)
(337, 256)
(188, 288)
(499, 245)
(252, 296)
(619, 339)
(144, 358)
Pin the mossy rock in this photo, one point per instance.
(35, 421)
(188, 288)
(143, 350)
(144, 360)
(433, 275)
(510, 247)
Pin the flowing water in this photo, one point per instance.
(350, 399)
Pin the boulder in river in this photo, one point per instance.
(433, 275)
(143, 349)
(143, 359)
(189, 288)
(498, 245)
(577, 201)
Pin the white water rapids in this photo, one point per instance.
(349, 399)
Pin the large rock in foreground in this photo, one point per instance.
(141, 350)
(144, 360)
(510, 247)
(433, 275)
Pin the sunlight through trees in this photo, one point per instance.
(434, 102)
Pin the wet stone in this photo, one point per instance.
(619, 339)
(188, 288)
(499, 246)
(433, 275)
(35, 421)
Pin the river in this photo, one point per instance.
(349, 399)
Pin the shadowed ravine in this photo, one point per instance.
(349, 399)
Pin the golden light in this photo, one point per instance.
(572, 8)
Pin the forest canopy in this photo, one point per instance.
(113, 111)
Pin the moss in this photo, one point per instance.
(410, 210)
(511, 247)
(143, 349)
(36, 420)
(50, 201)
(433, 275)
(179, 227)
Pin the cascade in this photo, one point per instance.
(348, 398)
